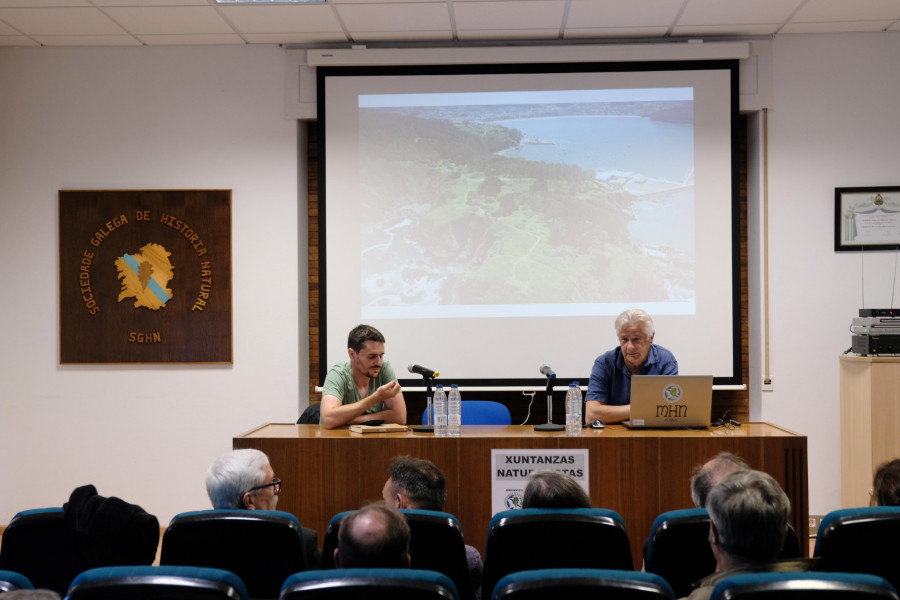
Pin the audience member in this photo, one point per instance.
(711, 473)
(749, 515)
(552, 489)
(244, 479)
(376, 536)
(363, 388)
(609, 389)
(886, 485)
(417, 483)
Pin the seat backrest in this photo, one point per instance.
(582, 584)
(481, 412)
(533, 538)
(262, 547)
(10, 580)
(436, 544)
(804, 586)
(165, 582)
(369, 584)
(861, 540)
(678, 548)
(38, 544)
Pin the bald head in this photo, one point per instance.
(711, 473)
(376, 536)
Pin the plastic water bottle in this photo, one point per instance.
(454, 411)
(439, 406)
(573, 409)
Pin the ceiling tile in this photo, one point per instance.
(169, 19)
(16, 40)
(191, 40)
(717, 30)
(313, 37)
(472, 35)
(150, 3)
(505, 15)
(282, 19)
(835, 27)
(616, 32)
(60, 21)
(584, 14)
(818, 11)
(736, 12)
(386, 1)
(41, 3)
(403, 36)
(87, 40)
(395, 17)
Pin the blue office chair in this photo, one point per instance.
(861, 540)
(436, 544)
(803, 586)
(157, 583)
(262, 547)
(582, 584)
(535, 538)
(10, 580)
(38, 544)
(480, 412)
(369, 584)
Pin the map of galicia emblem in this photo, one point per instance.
(145, 276)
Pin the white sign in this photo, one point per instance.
(510, 470)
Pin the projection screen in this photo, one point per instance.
(489, 220)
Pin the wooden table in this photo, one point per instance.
(639, 474)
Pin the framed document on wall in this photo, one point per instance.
(145, 276)
(866, 218)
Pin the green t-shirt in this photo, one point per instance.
(339, 382)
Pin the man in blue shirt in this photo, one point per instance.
(609, 391)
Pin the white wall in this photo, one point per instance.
(212, 117)
(134, 118)
(833, 122)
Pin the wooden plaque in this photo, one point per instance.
(145, 276)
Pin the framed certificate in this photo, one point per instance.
(866, 218)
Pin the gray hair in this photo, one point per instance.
(750, 512)
(232, 475)
(707, 475)
(635, 315)
(552, 489)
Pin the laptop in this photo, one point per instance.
(670, 401)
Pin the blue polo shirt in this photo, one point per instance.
(611, 380)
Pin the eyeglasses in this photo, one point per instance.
(276, 483)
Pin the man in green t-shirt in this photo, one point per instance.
(363, 388)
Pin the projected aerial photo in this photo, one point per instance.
(563, 200)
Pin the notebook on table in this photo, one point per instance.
(670, 401)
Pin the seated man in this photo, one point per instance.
(417, 483)
(363, 388)
(244, 479)
(886, 485)
(748, 514)
(552, 489)
(375, 536)
(711, 473)
(608, 396)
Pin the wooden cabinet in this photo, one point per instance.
(870, 422)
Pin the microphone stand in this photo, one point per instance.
(429, 428)
(549, 426)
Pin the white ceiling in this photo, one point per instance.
(439, 22)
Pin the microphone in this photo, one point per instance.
(423, 371)
(545, 370)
